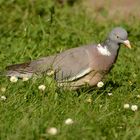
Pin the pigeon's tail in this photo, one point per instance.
(19, 70)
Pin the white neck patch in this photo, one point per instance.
(103, 50)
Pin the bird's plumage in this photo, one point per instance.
(76, 66)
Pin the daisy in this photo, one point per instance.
(89, 100)
(13, 79)
(69, 121)
(51, 72)
(100, 84)
(110, 94)
(138, 96)
(3, 98)
(52, 131)
(126, 106)
(3, 89)
(25, 79)
(42, 87)
(134, 107)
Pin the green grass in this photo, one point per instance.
(31, 29)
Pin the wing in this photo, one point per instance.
(72, 64)
(68, 65)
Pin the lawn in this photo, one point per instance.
(32, 29)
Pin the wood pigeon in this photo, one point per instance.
(77, 66)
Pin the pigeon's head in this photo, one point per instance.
(119, 36)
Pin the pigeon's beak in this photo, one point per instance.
(127, 44)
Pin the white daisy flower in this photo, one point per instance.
(89, 100)
(13, 79)
(69, 121)
(3, 98)
(126, 106)
(3, 89)
(100, 106)
(100, 84)
(134, 107)
(138, 96)
(25, 97)
(51, 72)
(25, 79)
(110, 94)
(42, 87)
(52, 131)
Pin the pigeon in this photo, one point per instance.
(76, 67)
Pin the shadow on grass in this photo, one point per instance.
(108, 87)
